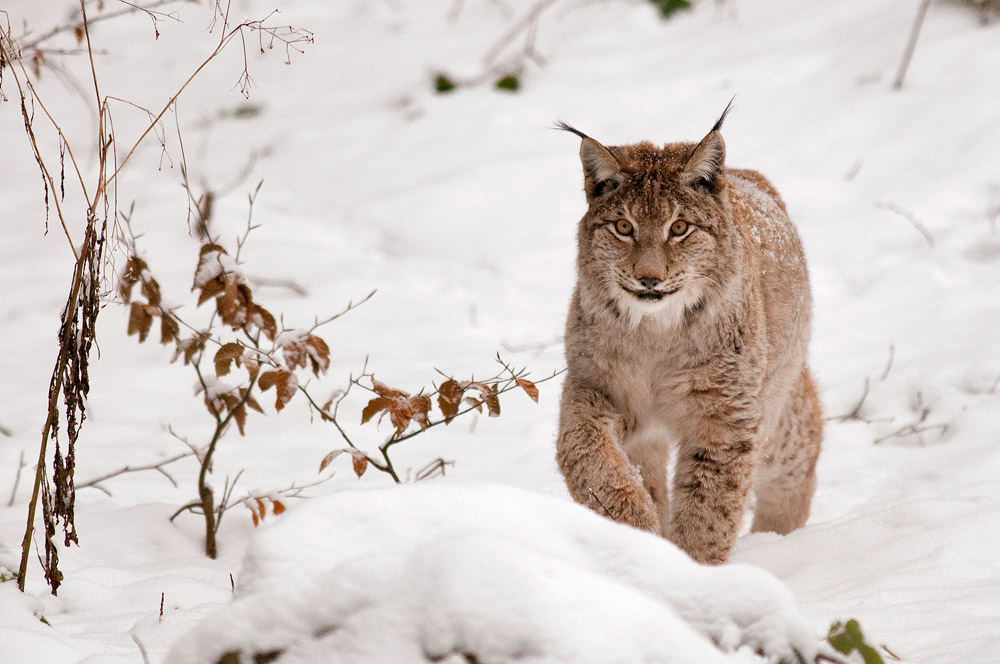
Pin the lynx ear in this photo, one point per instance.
(706, 162)
(601, 170)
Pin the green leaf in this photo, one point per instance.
(668, 7)
(443, 84)
(846, 638)
(509, 83)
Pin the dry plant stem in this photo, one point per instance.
(55, 392)
(205, 495)
(90, 245)
(73, 25)
(911, 44)
(528, 22)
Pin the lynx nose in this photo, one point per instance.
(649, 283)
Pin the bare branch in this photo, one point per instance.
(158, 466)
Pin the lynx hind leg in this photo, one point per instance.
(597, 472)
(786, 479)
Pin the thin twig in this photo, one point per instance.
(888, 366)
(525, 23)
(890, 653)
(136, 469)
(911, 45)
(74, 24)
(142, 648)
(17, 479)
(855, 413)
(906, 214)
(606, 510)
(350, 305)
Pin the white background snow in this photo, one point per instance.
(461, 210)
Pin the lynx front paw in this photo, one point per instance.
(627, 503)
(702, 541)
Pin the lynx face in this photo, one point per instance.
(655, 238)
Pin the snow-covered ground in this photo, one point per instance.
(461, 210)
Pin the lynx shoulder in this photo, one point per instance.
(687, 336)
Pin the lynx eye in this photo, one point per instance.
(624, 227)
(679, 228)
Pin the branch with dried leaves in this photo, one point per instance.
(411, 415)
(70, 381)
(240, 334)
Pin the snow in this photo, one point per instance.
(441, 568)
(461, 210)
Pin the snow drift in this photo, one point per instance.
(441, 570)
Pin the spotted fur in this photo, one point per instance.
(691, 345)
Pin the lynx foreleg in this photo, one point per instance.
(590, 456)
(710, 495)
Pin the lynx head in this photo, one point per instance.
(658, 236)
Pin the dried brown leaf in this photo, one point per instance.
(169, 328)
(284, 383)
(490, 397)
(474, 403)
(319, 354)
(225, 356)
(209, 247)
(400, 414)
(450, 398)
(294, 353)
(328, 459)
(240, 415)
(133, 270)
(324, 412)
(139, 321)
(529, 388)
(263, 319)
(151, 289)
(190, 347)
(210, 289)
(492, 400)
(386, 391)
(420, 405)
(251, 402)
(233, 305)
(278, 507)
(360, 462)
(375, 406)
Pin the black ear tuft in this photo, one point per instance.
(562, 126)
(722, 118)
(602, 171)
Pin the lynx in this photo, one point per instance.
(687, 335)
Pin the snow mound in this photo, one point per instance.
(443, 571)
